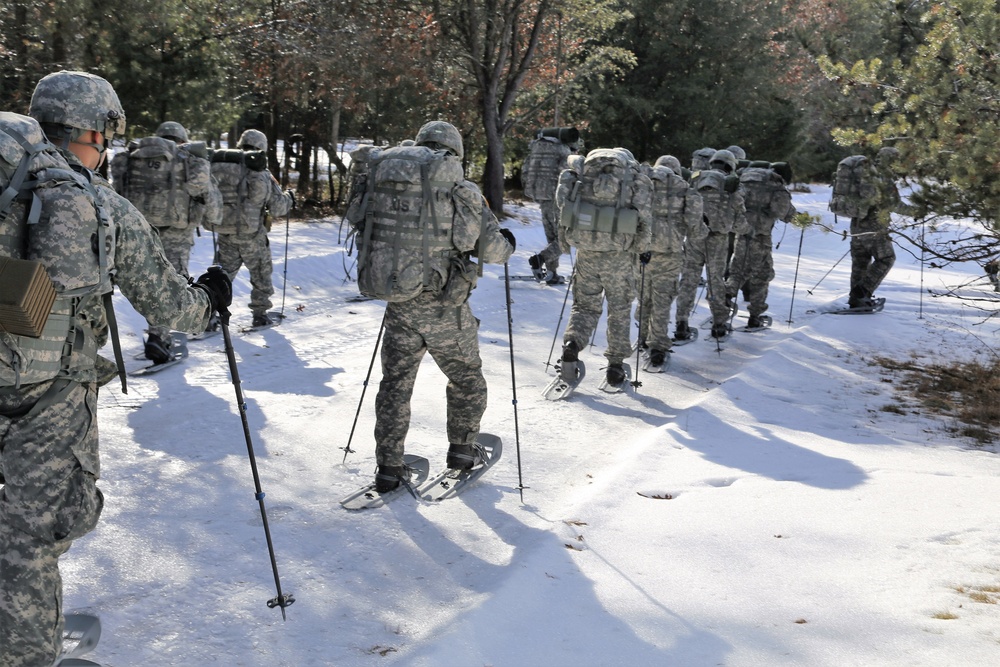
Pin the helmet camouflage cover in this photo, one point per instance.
(726, 158)
(172, 130)
(440, 132)
(79, 100)
(670, 162)
(253, 139)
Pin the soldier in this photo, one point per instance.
(248, 196)
(676, 213)
(724, 212)
(546, 159)
(605, 213)
(420, 263)
(172, 187)
(752, 266)
(872, 254)
(49, 460)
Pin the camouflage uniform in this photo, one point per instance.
(752, 266)
(204, 202)
(49, 461)
(438, 319)
(248, 244)
(872, 254)
(605, 270)
(540, 181)
(712, 255)
(676, 217)
(450, 333)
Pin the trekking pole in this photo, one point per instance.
(923, 250)
(795, 280)
(638, 348)
(513, 383)
(282, 600)
(562, 311)
(284, 277)
(364, 387)
(810, 291)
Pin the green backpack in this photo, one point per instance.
(404, 222)
(50, 215)
(854, 190)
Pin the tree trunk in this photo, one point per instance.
(493, 171)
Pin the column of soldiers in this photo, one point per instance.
(715, 218)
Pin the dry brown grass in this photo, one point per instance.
(968, 392)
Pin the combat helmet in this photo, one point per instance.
(723, 160)
(441, 133)
(670, 162)
(173, 131)
(701, 157)
(737, 152)
(78, 100)
(886, 156)
(253, 139)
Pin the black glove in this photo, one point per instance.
(509, 235)
(291, 194)
(645, 257)
(219, 288)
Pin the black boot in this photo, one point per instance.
(682, 332)
(616, 374)
(464, 457)
(158, 350)
(388, 478)
(720, 330)
(859, 297)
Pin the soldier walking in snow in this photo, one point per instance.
(248, 195)
(169, 180)
(418, 224)
(676, 214)
(605, 213)
(88, 238)
(546, 159)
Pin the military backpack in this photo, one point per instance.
(50, 215)
(404, 222)
(717, 191)
(764, 196)
(854, 189)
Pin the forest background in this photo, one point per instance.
(803, 81)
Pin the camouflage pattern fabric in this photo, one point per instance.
(752, 270)
(249, 245)
(872, 254)
(263, 194)
(49, 464)
(540, 172)
(48, 443)
(711, 254)
(451, 334)
(254, 250)
(176, 245)
(660, 283)
(612, 275)
(550, 222)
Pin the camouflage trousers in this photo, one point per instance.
(710, 254)
(660, 280)
(872, 255)
(254, 250)
(451, 335)
(752, 270)
(49, 466)
(550, 221)
(177, 247)
(600, 276)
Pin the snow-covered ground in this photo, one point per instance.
(754, 506)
